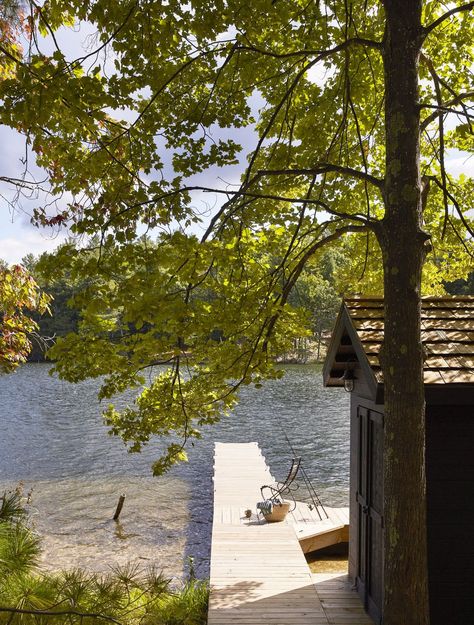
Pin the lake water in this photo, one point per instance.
(53, 440)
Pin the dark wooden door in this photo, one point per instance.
(369, 499)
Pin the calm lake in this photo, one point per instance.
(53, 440)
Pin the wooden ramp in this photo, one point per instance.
(316, 531)
(258, 571)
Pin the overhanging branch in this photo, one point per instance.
(464, 7)
(446, 108)
(296, 272)
(322, 54)
(325, 168)
(455, 203)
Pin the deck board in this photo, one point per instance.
(316, 533)
(340, 603)
(258, 570)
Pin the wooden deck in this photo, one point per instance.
(340, 603)
(258, 570)
(316, 532)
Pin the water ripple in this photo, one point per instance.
(53, 440)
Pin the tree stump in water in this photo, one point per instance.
(119, 507)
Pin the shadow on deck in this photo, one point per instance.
(329, 600)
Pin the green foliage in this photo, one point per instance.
(131, 130)
(146, 304)
(126, 595)
(60, 318)
(188, 606)
(13, 25)
(19, 549)
(461, 286)
(11, 506)
(317, 294)
(19, 296)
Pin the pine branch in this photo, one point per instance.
(60, 613)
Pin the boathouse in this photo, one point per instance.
(353, 361)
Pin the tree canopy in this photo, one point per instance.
(134, 128)
(339, 117)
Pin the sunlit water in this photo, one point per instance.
(53, 440)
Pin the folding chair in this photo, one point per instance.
(280, 490)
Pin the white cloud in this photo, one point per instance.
(461, 165)
(12, 250)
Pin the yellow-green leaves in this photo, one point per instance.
(19, 297)
(198, 319)
(174, 454)
(135, 134)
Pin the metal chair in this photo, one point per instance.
(279, 490)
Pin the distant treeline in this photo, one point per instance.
(62, 318)
(317, 292)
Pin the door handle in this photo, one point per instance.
(365, 509)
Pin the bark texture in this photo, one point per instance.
(403, 245)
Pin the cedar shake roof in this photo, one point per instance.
(447, 332)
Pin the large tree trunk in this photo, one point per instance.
(403, 241)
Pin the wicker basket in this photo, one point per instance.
(280, 510)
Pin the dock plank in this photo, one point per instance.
(339, 601)
(258, 570)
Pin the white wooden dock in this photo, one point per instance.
(258, 570)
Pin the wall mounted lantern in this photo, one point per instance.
(348, 376)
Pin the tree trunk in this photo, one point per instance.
(403, 246)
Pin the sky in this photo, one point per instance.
(19, 237)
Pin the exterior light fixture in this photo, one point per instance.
(348, 377)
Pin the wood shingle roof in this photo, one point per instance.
(447, 333)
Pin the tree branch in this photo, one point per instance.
(338, 233)
(455, 204)
(108, 40)
(457, 99)
(325, 168)
(370, 43)
(446, 16)
(274, 115)
(243, 192)
(167, 82)
(60, 613)
(446, 109)
(11, 56)
(440, 116)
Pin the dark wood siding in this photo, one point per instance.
(366, 503)
(448, 339)
(353, 516)
(361, 388)
(450, 508)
